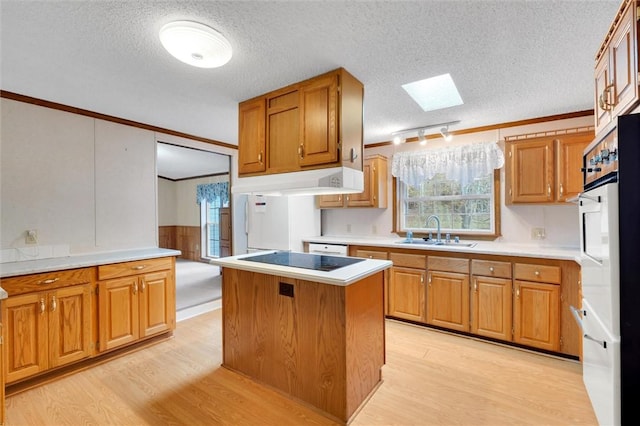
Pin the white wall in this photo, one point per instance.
(84, 184)
(560, 221)
(167, 211)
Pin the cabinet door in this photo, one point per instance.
(448, 300)
(330, 201)
(491, 307)
(283, 132)
(25, 335)
(2, 381)
(225, 232)
(251, 136)
(602, 111)
(536, 315)
(622, 58)
(406, 293)
(366, 197)
(118, 307)
(530, 172)
(569, 164)
(69, 324)
(318, 121)
(157, 303)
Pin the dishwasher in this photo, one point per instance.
(329, 249)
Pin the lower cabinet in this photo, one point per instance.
(46, 330)
(491, 294)
(135, 307)
(448, 293)
(406, 290)
(536, 311)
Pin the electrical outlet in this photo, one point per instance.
(537, 234)
(31, 236)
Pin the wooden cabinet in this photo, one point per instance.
(406, 292)
(48, 329)
(136, 300)
(491, 295)
(536, 305)
(375, 188)
(251, 136)
(311, 124)
(448, 293)
(616, 71)
(2, 381)
(225, 232)
(545, 169)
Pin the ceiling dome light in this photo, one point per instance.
(195, 44)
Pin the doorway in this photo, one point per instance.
(192, 182)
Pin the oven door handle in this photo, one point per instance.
(576, 315)
(583, 196)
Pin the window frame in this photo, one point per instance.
(471, 235)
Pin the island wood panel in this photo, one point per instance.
(324, 345)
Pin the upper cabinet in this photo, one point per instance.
(312, 124)
(545, 169)
(251, 119)
(616, 71)
(375, 188)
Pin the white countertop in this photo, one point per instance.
(12, 269)
(481, 247)
(342, 276)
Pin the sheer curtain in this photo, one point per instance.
(462, 163)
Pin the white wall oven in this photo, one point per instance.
(609, 211)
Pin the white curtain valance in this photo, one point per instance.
(462, 163)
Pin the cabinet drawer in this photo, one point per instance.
(372, 254)
(125, 269)
(418, 261)
(491, 268)
(448, 264)
(47, 280)
(537, 273)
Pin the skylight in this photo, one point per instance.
(434, 93)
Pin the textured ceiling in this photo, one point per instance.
(511, 60)
(176, 162)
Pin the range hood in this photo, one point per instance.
(335, 180)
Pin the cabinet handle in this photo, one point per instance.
(537, 273)
(260, 157)
(42, 305)
(339, 197)
(54, 303)
(517, 293)
(139, 267)
(605, 105)
(475, 285)
(143, 286)
(429, 279)
(549, 189)
(561, 189)
(49, 281)
(491, 269)
(421, 279)
(301, 151)
(135, 288)
(347, 198)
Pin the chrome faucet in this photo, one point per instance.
(437, 219)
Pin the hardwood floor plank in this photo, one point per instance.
(431, 378)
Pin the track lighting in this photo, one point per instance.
(445, 134)
(400, 136)
(421, 137)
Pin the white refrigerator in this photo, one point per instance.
(280, 222)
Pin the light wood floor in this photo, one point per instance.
(431, 378)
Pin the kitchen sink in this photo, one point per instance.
(421, 242)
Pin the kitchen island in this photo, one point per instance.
(316, 335)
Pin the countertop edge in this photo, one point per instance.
(340, 277)
(14, 269)
(482, 247)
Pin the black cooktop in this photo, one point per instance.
(317, 262)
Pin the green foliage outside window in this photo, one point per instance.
(468, 208)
